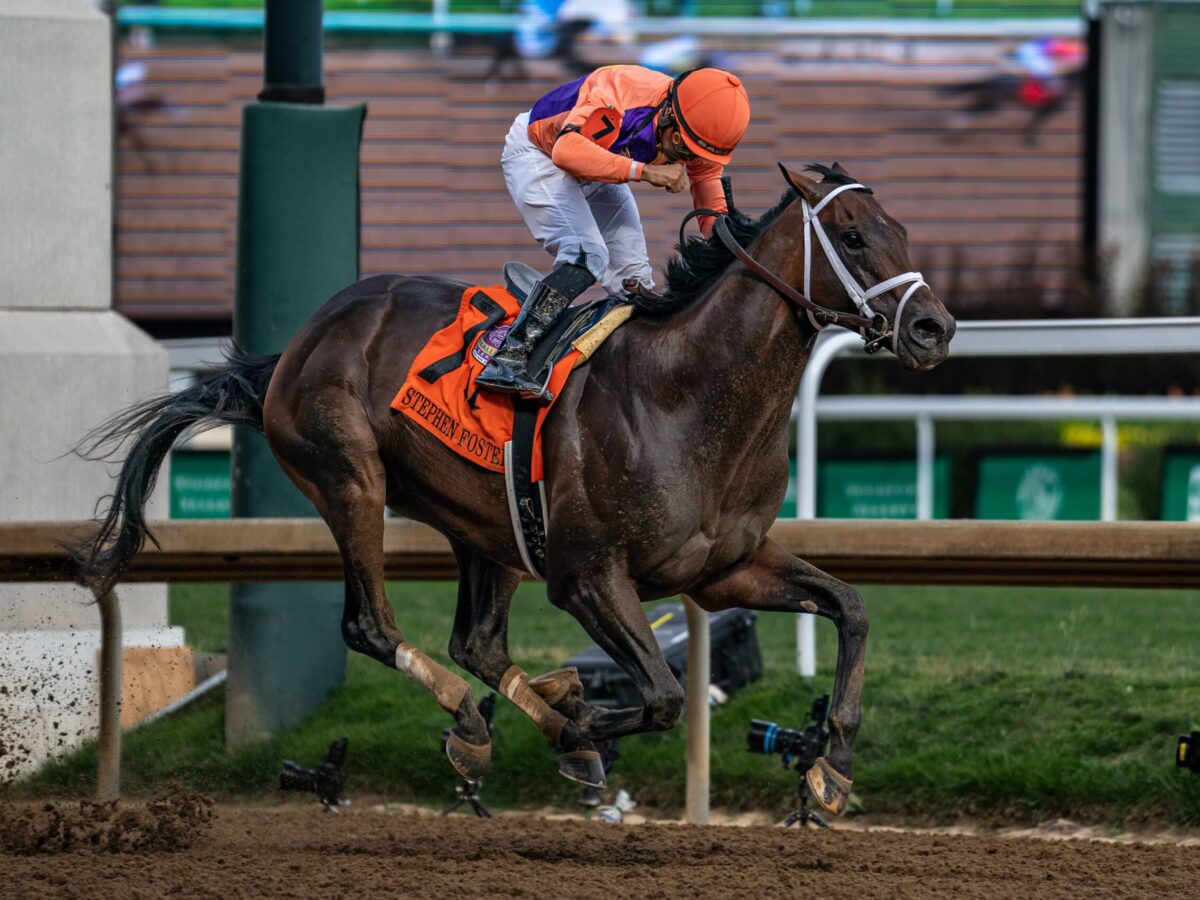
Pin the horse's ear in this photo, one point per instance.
(806, 187)
(837, 168)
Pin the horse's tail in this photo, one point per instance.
(231, 394)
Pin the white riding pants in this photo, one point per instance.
(568, 216)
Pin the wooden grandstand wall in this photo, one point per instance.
(982, 206)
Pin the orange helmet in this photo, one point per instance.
(712, 111)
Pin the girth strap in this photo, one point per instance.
(526, 500)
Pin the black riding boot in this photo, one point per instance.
(507, 370)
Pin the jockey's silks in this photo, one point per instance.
(611, 116)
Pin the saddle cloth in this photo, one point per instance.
(440, 394)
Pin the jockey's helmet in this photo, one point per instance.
(712, 111)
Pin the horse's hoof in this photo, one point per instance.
(471, 761)
(583, 766)
(829, 787)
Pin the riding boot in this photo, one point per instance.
(507, 371)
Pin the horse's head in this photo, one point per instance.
(857, 260)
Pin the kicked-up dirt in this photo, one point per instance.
(294, 851)
(167, 823)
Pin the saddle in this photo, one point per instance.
(502, 432)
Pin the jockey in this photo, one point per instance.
(567, 163)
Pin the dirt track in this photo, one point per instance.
(299, 852)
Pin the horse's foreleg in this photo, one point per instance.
(774, 580)
(479, 643)
(608, 608)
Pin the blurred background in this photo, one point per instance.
(978, 124)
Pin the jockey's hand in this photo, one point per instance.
(673, 177)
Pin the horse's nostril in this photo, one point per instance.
(928, 329)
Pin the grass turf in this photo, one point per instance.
(1001, 704)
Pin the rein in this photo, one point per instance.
(875, 329)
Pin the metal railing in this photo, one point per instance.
(1039, 338)
(408, 23)
(924, 411)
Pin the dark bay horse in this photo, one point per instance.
(667, 461)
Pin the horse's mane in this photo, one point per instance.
(698, 261)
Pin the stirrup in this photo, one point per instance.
(542, 393)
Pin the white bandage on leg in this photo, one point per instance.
(514, 685)
(446, 686)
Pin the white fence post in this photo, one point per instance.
(1108, 469)
(828, 348)
(698, 677)
(925, 457)
(806, 645)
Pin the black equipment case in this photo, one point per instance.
(735, 657)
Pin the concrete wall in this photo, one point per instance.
(67, 361)
(55, 157)
(1124, 148)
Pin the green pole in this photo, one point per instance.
(292, 52)
(298, 244)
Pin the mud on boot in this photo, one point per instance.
(507, 371)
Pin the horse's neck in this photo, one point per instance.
(742, 339)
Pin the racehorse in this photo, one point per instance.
(666, 463)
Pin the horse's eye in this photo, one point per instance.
(853, 240)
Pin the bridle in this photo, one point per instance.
(874, 327)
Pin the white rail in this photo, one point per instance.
(1056, 337)
(926, 410)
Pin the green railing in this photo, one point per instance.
(906, 9)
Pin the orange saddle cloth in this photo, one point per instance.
(440, 394)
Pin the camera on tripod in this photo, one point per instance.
(325, 780)
(800, 749)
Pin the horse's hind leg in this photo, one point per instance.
(479, 643)
(774, 580)
(608, 608)
(335, 450)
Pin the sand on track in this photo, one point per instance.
(293, 851)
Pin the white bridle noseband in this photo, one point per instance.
(856, 292)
